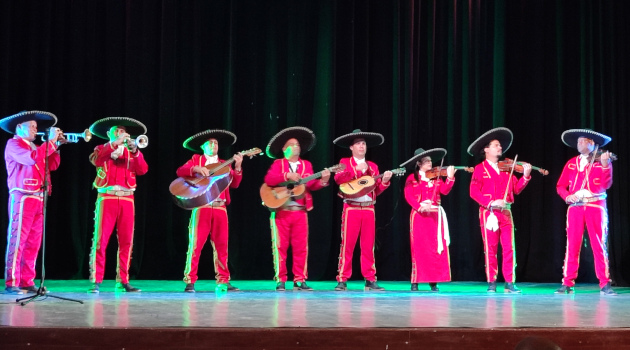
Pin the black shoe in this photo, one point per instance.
(30, 289)
(225, 287)
(564, 289)
(127, 288)
(231, 288)
(13, 290)
(434, 287)
(280, 287)
(492, 287)
(511, 288)
(414, 287)
(341, 286)
(190, 288)
(607, 290)
(95, 288)
(302, 286)
(372, 285)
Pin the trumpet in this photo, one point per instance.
(141, 141)
(72, 137)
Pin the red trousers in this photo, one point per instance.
(24, 239)
(427, 265)
(208, 222)
(491, 239)
(112, 211)
(357, 221)
(595, 217)
(289, 228)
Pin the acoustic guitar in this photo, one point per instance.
(275, 197)
(365, 184)
(197, 191)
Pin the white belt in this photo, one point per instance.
(118, 193)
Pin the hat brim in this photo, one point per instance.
(503, 135)
(570, 137)
(372, 139)
(303, 135)
(100, 127)
(435, 154)
(44, 120)
(223, 137)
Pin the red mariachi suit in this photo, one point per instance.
(593, 214)
(430, 260)
(358, 220)
(25, 167)
(114, 209)
(289, 224)
(486, 186)
(209, 220)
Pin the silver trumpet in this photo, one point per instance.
(72, 137)
(141, 141)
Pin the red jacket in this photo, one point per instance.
(200, 160)
(121, 171)
(486, 185)
(25, 166)
(599, 180)
(350, 173)
(419, 191)
(277, 174)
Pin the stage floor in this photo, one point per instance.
(163, 304)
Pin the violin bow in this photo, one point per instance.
(590, 166)
(509, 179)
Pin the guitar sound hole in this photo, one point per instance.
(290, 186)
(363, 182)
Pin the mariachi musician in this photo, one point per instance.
(583, 186)
(428, 226)
(117, 163)
(358, 218)
(494, 189)
(211, 219)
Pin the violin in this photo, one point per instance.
(507, 163)
(435, 172)
(598, 156)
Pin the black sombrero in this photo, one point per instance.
(372, 139)
(571, 136)
(101, 127)
(435, 154)
(224, 137)
(305, 137)
(44, 120)
(503, 135)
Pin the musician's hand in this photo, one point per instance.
(499, 203)
(361, 167)
(450, 171)
(53, 134)
(386, 176)
(605, 159)
(132, 146)
(293, 177)
(201, 170)
(121, 139)
(238, 159)
(527, 169)
(325, 175)
(424, 207)
(572, 198)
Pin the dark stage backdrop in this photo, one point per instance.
(423, 73)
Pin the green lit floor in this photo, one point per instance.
(459, 304)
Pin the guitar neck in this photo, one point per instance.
(312, 177)
(221, 166)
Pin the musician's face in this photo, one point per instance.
(494, 149)
(210, 147)
(27, 130)
(291, 148)
(359, 148)
(585, 145)
(116, 131)
(425, 164)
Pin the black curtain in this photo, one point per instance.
(423, 73)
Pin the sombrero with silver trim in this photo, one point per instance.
(101, 127)
(305, 137)
(435, 154)
(503, 135)
(570, 137)
(372, 139)
(44, 120)
(224, 137)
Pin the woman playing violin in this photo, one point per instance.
(429, 235)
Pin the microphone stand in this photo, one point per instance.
(41, 291)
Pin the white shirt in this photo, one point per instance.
(583, 162)
(211, 159)
(494, 166)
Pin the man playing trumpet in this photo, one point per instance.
(117, 163)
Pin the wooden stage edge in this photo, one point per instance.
(307, 338)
